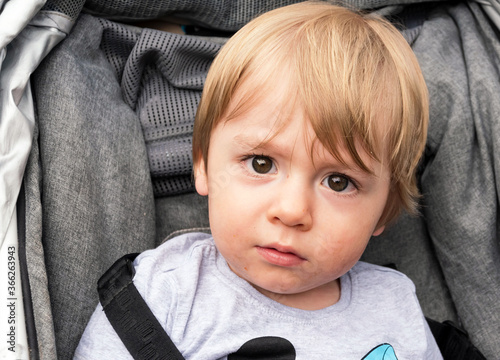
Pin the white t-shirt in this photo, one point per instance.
(211, 313)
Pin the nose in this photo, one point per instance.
(291, 205)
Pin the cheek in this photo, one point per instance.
(228, 221)
(233, 204)
(342, 249)
(233, 250)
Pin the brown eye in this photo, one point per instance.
(337, 183)
(262, 164)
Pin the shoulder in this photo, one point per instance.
(368, 275)
(386, 298)
(174, 252)
(177, 261)
(158, 273)
(390, 290)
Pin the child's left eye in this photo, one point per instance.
(261, 164)
(339, 183)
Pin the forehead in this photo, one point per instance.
(266, 107)
(270, 85)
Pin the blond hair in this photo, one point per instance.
(354, 74)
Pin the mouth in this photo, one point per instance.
(280, 256)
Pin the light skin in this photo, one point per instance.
(288, 223)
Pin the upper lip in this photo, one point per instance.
(283, 249)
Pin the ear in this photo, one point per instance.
(379, 230)
(200, 177)
(390, 206)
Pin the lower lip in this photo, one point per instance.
(279, 258)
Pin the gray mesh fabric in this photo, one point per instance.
(229, 15)
(161, 76)
(222, 15)
(70, 8)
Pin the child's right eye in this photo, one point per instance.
(261, 164)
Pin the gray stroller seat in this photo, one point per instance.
(109, 167)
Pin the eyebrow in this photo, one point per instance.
(254, 142)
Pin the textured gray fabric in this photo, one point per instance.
(35, 253)
(460, 57)
(27, 35)
(97, 201)
(179, 213)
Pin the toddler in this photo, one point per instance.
(311, 125)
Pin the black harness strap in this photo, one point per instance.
(131, 317)
(453, 342)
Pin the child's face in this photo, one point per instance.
(288, 224)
